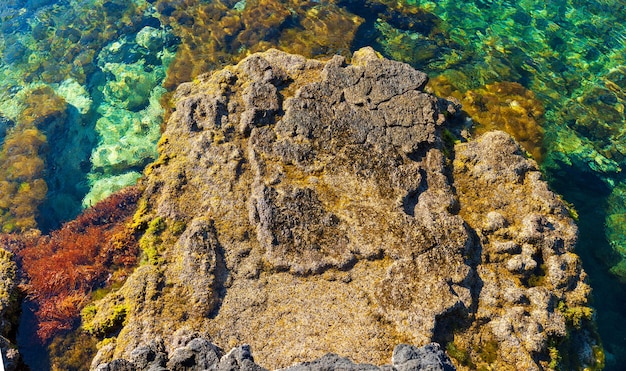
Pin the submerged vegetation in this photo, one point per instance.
(22, 187)
(506, 106)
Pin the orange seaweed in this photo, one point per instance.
(63, 268)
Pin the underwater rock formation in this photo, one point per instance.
(107, 60)
(306, 207)
(51, 42)
(130, 113)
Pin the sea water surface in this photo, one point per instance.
(85, 87)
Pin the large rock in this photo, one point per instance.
(307, 207)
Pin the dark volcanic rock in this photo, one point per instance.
(429, 357)
(308, 207)
(200, 355)
(332, 362)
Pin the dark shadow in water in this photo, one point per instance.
(589, 196)
(33, 353)
(367, 33)
(67, 164)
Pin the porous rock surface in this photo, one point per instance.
(310, 207)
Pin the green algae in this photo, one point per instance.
(575, 316)
(102, 326)
(151, 242)
(555, 357)
(460, 355)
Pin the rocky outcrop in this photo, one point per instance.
(533, 288)
(306, 207)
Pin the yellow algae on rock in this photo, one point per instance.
(533, 284)
(9, 304)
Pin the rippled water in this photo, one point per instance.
(85, 86)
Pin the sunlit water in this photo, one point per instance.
(84, 88)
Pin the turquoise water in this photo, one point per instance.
(84, 88)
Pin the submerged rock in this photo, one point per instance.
(130, 113)
(5, 125)
(307, 207)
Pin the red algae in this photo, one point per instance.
(63, 268)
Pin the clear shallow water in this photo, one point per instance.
(84, 88)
